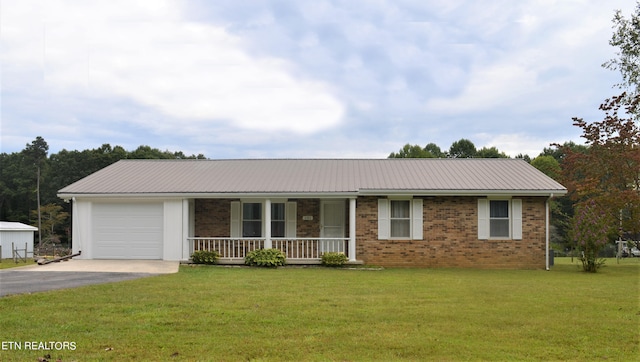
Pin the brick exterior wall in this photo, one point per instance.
(213, 218)
(450, 233)
(308, 228)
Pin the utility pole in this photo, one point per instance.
(39, 213)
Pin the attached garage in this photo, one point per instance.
(127, 230)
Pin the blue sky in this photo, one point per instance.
(308, 79)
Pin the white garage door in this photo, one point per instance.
(127, 230)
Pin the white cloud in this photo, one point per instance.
(488, 88)
(144, 52)
(514, 69)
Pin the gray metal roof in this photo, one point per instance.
(16, 226)
(315, 176)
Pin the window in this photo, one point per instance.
(400, 219)
(499, 218)
(278, 220)
(252, 220)
(247, 219)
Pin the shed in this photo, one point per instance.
(17, 233)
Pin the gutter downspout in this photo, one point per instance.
(546, 230)
(75, 227)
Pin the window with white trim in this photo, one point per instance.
(500, 219)
(278, 220)
(247, 219)
(400, 219)
(252, 220)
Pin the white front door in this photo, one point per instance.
(332, 225)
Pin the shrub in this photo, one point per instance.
(590, 228)
(269, 258)
(205, 257)
(334, 259)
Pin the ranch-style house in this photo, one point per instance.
(477, 213)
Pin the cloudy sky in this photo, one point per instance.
(310, 79)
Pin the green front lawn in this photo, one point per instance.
(9, 263)
(232, 314)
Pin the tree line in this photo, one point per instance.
(463, 148)
(31, 178)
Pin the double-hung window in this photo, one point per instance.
(252, 220)
(400, 219)
(499, 219)
(278, 220)
(248, 219)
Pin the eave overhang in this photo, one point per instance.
(547, 193)
(307, 195)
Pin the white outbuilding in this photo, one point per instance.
(16, 235)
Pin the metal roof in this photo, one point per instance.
(16, 226)
(315, 176)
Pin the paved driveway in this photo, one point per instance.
(75, 273)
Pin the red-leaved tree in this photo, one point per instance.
(608, 173)
(589, 231)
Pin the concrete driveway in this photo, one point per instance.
(74, 273)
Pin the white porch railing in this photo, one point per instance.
(295, 249)
(309, 248)
(232, 248)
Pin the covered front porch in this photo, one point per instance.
(297, 251)
(303, 229)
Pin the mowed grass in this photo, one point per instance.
(318, 314)
(9, 263)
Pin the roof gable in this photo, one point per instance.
(314, 176)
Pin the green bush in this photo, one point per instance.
(334, 259)
(269, 258)
(205, 257)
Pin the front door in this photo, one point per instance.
(332, 225)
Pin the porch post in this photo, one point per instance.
(352, 229)
(186, 228)
(267, 226)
